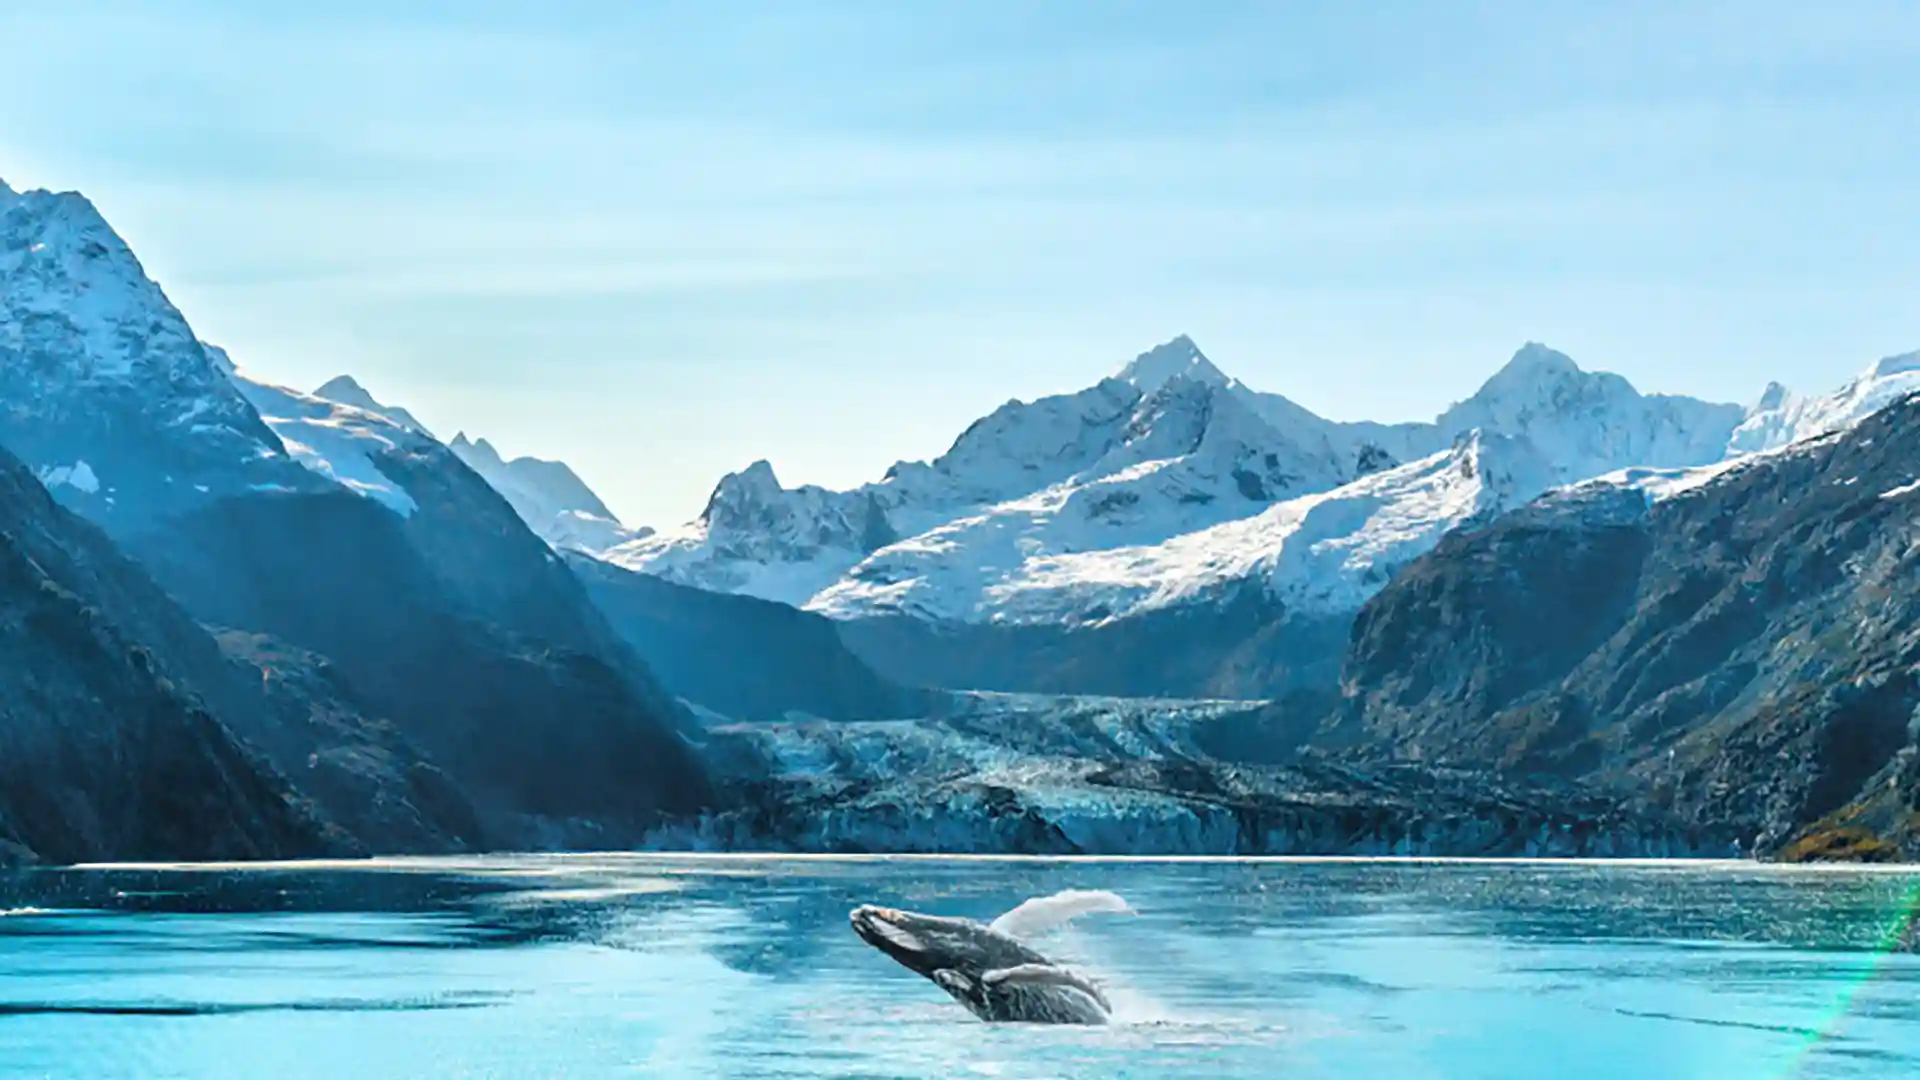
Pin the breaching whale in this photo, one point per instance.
(985, 967)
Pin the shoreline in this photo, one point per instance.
(508, 859)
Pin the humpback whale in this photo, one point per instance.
(985, 967)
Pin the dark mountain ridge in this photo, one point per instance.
(1746, 651)
(103, 755)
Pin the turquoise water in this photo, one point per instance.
(621, 966)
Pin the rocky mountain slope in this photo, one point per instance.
(1738, 644)
(742, 657)
(345, 535)
(102, 753)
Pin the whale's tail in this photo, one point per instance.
(1043, 913)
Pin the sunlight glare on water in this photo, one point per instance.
(589, 966)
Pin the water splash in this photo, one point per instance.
(1043, 913)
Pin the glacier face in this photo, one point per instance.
(1049, 775)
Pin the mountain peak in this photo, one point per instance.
(1773, 397)
(1534, 359)
(754, 484)
(759, 474)
(340, 384)
(345, 390)
(1180, 357)
(745, 500)
(475, 452)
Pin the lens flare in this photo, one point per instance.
(1901, 934)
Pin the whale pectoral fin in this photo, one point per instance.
(1045, 975)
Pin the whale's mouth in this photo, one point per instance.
(888, 930)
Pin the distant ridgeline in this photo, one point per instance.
(1167, 613)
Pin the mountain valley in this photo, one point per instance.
(1165, 613)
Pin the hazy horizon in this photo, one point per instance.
(662, 244)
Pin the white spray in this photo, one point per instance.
(1044, 914)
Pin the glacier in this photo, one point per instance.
(989, 773)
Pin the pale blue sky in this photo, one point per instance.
(660, 240)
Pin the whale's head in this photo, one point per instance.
(926, 944)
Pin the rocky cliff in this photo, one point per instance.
(1738, 646)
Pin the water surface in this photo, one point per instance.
(621, 966)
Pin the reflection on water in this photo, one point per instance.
(588, 966)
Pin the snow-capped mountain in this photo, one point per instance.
(339, 533)
(1781, 423)
(1782, 417)
(1168, 483)
(127, 415)
(1127, 461)
(342, 443)
(108, 395)
(550, 497)
(1323, 551)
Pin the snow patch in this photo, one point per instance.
(336, 441)
(78, 476)
(344, 390)
(1790, 419)
(1902, 490)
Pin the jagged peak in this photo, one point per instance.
(1773, 397)
(758, 477)
(755, 484)
(340, 384)
(1179, 357)
(346, 390)
(760, 472)
(487, 451)
(70, 208)
(1535, 359)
